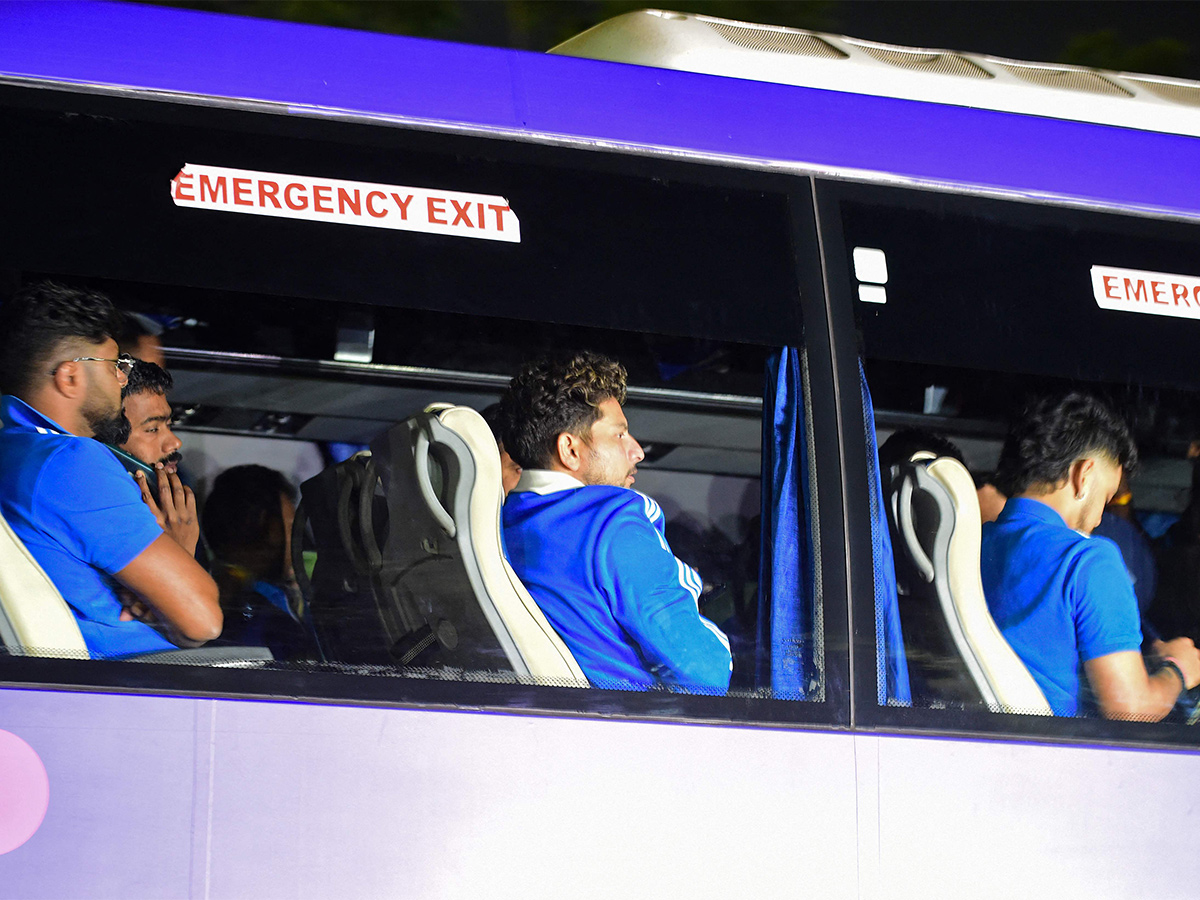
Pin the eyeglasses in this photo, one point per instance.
(123, 363)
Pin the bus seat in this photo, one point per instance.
(355, 618)
(442, 562)
(35, 620)
(936, 515)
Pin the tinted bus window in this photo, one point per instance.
(302, 345)
(969, 313)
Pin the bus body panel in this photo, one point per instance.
(153, 796)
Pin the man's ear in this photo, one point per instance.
(68, 380)
(569, 446)
(1082, 471)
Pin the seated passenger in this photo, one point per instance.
(591, 551)
(1063, 599)
(71, 502)
(141, 337)
(903, 443)
(510, 472)
(1176, 604)
(901, 446)
(144, 396)
(1120, 525)
(248, 526)
(991, 500)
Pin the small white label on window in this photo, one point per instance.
(872, 293)
(870, 265)
(427, 210)
(1153, 293)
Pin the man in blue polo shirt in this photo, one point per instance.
(592, 552)
(122, 561)
(1064, 600)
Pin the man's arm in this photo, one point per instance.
(182, 595)
(654, 597)
(93, 508)
(1108, 635)
(1124, 689)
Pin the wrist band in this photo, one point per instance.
(1169, 662)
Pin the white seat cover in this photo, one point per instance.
(40, 621)
(1005, 673)
(543, 651)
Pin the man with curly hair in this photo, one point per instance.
(1063, 599)
(591, 551)
(122, 561)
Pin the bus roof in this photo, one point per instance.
(695, 43)
(310, 70)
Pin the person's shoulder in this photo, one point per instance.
(1092, 556)
(80, 452)
(79, 463)
(1099, 547)
(623, 505)
(612, 494)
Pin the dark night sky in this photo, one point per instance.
(1147, 36)
(1027, 29)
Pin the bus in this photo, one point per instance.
(798, 244)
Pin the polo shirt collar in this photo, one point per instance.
(1024, 507)
(16, 413)
(546, 481)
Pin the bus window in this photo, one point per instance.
(326, 353)
(971, 313)
(372, 578)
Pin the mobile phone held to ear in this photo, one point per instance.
(133, 465)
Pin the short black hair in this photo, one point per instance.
(552, 395)
(1056, 431)
(147, 376)
(134, 327)
(239, 512)
(36, 321)
(901, 446)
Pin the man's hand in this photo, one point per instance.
(134, 609)
(1124, 690)
(1184, 652)
(175, 509)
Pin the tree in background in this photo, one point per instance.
(1048, 31)
(1104, 49)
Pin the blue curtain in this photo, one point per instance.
(890, 664)
(786, 657)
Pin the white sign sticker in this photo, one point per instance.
(427, 210)
(1154, 293)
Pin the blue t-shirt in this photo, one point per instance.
(597, 562)
(81, 516)
(1059, 598)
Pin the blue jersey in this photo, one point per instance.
(1059, 598)
(81, 516)
(596, 560)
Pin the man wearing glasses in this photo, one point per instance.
(71, 502)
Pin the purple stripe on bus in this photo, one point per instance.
(202, 53)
